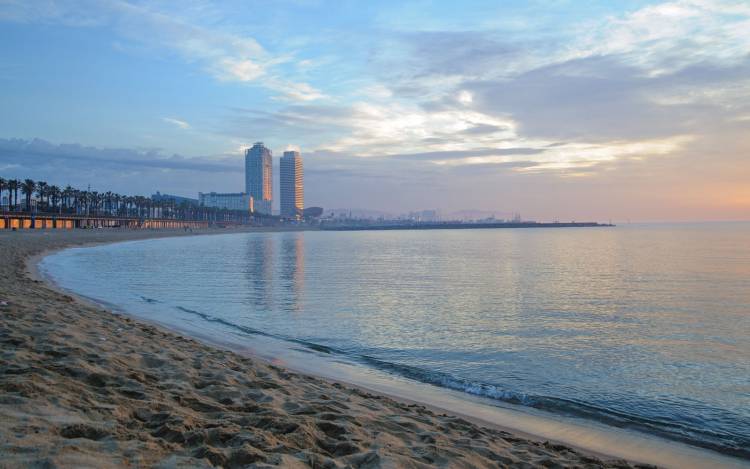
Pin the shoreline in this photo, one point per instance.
(509, 434)
(601, 441)
(34, 271)
(36, 274)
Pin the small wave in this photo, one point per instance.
(149, 300)
(723, 443)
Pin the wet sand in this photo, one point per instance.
(81, 386)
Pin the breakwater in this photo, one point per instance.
(458, 226)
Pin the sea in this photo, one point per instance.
(643, 328)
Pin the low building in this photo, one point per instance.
(312, 212)
(159, 197)
(261, 206)
(229, 201)
(424, 216)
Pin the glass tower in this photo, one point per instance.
(292, 185)
(259, 177)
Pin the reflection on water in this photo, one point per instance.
(259, 271)
(292, 274)
(275, 272)
(640, 327)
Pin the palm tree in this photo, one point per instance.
(147, 204)
(15, 196)
(160, 208)
(82, 202)
(27, 188)
(126, 205)
(12, 189)
(79, 199)
(67, 194)
(56, 194)
(118, 199)
(101, 203)
(3, 185)
(41, 191)
(184, 210)
(138, 202)
(94, 201)
(72, 200)
(108, 202)
(131, 206)
(90, 202)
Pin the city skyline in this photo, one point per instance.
(259, 185)
(622, 110)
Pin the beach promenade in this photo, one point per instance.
(81, 386)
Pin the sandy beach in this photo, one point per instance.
(84, 387)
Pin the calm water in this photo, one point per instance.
(644, 327)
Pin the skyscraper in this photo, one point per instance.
(259, 177)
(292, 185)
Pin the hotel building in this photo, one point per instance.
(292, 185)
(259, 177)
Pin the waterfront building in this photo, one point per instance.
(312, 212)
(229, 201)
(292, 185)
(176, 199)
(259, 177)
(428, 216)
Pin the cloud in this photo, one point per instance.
(226, 56)
(436, 156)
(123, 170)
(36, 154)
(446, 53)
(662, 71)
(375, 129)
(312, 124)
(656, 39)
(179, 123)
(601, 98)
(230, 69)
(291, 91)
(670, 36)
(450, 137)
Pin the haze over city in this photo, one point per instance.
(622, 110)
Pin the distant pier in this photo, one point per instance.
(459, 226)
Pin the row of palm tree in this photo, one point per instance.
(43, 198)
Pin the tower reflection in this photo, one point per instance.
(259, 270)
(275, 277)
(293, 269)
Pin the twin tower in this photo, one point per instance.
(259, 181)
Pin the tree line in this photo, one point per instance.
(51, 199)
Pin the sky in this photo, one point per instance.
(560, 109)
